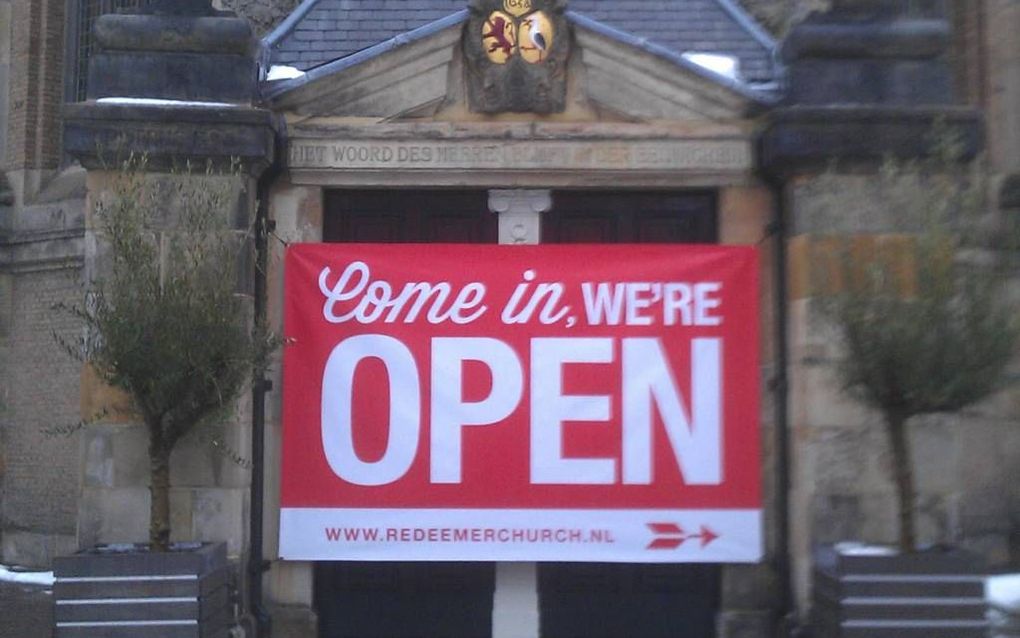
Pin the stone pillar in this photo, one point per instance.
(868, 79)
(515, 601)
(297, 212)
(175, 83)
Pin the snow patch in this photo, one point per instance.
(725, 65)
(146, 101)
(860, 549)
(282, 72)
(44, 579)
(1004, 592)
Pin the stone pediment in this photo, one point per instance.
(421, 76)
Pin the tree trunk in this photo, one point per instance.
(159, 511)
(903, 472)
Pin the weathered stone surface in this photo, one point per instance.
(104, 134)
(263, 14)
(298, 212)
(180, 7)
(35, 549)
(900, 82)
(826, 38)
(118, 515)
(198, 77)
(488, 154)
(127, 32)
(836, 517)
(1009, 192)
(114, 456)
(749, 587)
(817, 399)
(214, 456)
(935, 450)
(800, 138)
(995, 548)
(290, 583)
(220, 514)
(294, 621)
(103, 402)
(745, 624)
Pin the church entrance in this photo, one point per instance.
(576, 600)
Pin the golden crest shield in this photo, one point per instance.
(535, 37)
(499, 37)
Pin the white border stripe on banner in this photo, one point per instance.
(643, 536)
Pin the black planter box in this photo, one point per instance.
(932, 594)
(130, 592)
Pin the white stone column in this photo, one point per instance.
(520, 214)
(515, 601)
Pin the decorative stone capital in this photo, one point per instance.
(520, 201)
(520, 214)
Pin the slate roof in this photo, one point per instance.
(321, 31)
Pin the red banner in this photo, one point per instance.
(467, 402)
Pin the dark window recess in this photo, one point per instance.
(652, 217)
(406, 600)
(80, 39)
(597, 600)
(603, 600)
(397, 216)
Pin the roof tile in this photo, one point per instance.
(335, 29)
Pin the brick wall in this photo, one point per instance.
(39, 386)
(36, 84)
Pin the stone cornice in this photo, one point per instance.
(518, 155)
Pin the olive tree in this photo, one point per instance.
(165, 322)
(925, 322)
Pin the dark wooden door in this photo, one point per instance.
(406, 600)
(401, 216)
(596, 600)
(651, 217)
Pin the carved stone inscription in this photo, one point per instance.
(649, 155)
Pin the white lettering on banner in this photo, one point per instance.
(630, 303)
(696, 442)
(449, 411)
(376, 297)
(337, 410)
(550, 292)
(646, 377)
(355, 296)
(550, 408)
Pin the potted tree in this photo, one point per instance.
(165, 324)
(925, 327)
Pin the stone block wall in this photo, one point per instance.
(263, 14)
(967, 465)
(210, 468)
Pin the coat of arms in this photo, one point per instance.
(517, 54)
